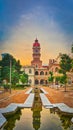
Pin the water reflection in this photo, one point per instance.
(66, 120)
(11, 119)
(37, 108)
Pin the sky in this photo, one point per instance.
(21, 21)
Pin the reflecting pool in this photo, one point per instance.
(38, 118)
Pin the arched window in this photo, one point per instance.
(36, 66)
(42, 81)
(46, 73)
(41, 73)
(36, 72)
(46, 82)
(30, 81)
(36, 81)
(30, 71)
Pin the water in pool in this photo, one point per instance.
(38, 118)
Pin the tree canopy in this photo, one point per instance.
(5, 68)
(72, 48)
(24, 78)
(65, 65)
(51, 77)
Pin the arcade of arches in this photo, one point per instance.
(41, 73)
(41, 82)
(40, 77)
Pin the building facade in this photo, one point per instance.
(37, 73)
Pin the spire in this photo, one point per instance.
(36, 40)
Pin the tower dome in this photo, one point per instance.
(36, 43)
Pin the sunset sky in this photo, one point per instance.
(21, 21)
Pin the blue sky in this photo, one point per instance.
(21, 21)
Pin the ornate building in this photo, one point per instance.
(37, 73)
(40, 72)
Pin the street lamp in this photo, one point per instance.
(10, 74)
(0, 74)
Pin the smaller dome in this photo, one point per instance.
(36, 44)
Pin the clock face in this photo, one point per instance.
(36, 50)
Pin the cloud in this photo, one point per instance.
(36, 24)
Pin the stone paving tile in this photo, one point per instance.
(45, 101)
(2, 120)
(64, 108)
(10, 108)
(20, 105)
(45, 92)
(28, 92)
(29, 101)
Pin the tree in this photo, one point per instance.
(24, 78)
(66, 65)
(63, 79)
(57, 79)
(18, 66)
(6, 60)
(5, 73)
(15, 77)
(51, 78)
(5, 68)
(72, 56)
(72, 48)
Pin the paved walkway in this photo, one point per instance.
(29, 101)
(46, 103)
(9, 96)
(64, 108)
(45, 92)
(29, 91)
(61, 106)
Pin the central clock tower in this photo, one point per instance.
(36, 62)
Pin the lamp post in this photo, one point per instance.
(10, 74)
(0, 74)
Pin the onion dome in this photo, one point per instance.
(36, 44)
